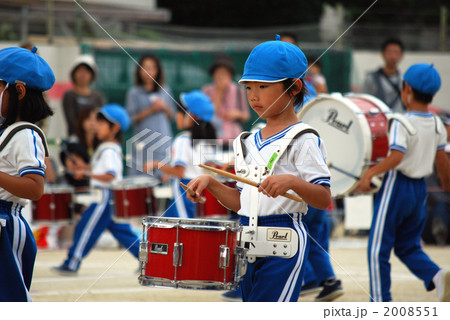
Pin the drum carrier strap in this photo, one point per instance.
(260, 241)
(20, 125)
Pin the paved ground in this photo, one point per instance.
(110, 274)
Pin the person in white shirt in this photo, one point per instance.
(400, 204)
(106, 168)
(273, 76)
(24, 76)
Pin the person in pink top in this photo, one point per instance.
(228, 97)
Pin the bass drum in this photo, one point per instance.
(354, 128)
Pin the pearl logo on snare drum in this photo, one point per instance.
(333, 121)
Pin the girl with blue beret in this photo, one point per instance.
(24, 76)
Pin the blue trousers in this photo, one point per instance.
(180, 206)
(17, 254)
(94, 221)
(317, 264)
(398, 221)
(272, 279)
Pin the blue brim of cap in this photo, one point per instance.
(107, 116)
(260, 79)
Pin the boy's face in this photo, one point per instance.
(266, 98)
(105, 132)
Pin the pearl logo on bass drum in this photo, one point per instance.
(333, 121)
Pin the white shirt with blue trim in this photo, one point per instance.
(107, 159)
(186, 155)
(24, 154)
(306, 159)
(419, 149)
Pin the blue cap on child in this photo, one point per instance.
(199, 104)
(423, 77)
(116, 114)
(275, 61)
(20, 65)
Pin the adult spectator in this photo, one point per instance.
(386, 82)
(151, 107)
(229, 99)
(83, 73)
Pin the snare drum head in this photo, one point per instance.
(135, 182)
(346, 135)
(53, 189)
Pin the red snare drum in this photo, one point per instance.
(354, 128)
(133, 197)
(55, 205)
(212, 207)
(191, 253)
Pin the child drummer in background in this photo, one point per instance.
(24, 76)
(106, 168)
(400, 205)
(190, 147)
(273, 77)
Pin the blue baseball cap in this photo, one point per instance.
(275, 61)
(116, 114)
(423, 77)
(199, 104)
(20, 65)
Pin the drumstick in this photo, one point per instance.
(192, 192)
(374, 183)
(246, 181)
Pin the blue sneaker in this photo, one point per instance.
(232, 296)
(64, 271)
(332, 289)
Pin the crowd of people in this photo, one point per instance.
(92, 158)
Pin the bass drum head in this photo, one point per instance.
(346, 134)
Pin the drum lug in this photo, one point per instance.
(224, 257)
(143, 251)
(177, 254)
(240, 254)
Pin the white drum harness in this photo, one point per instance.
(266, 241)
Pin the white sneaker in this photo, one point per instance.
(442, 284)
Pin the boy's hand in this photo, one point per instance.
(276, 185)
(198, 185)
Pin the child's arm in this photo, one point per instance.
(316, 195)
(229, 197)
(29, 186)
(176, 171)
(390, 162)
(443, 170)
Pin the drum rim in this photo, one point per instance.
(186, 284)
(191, 224)
(61, 189)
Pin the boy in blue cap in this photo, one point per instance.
(400, 204)
(106, 168)
(24, 76)
(284, 156)
(188, 150)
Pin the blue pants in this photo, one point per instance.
(317, 265)
(94, 221)
(398, 221)
(180, 206)
(17, 254)
(272, 279)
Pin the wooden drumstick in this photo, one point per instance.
(192, 192)
(247, 181)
